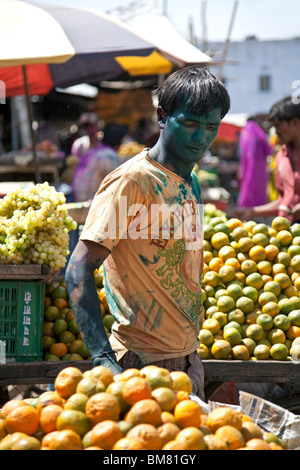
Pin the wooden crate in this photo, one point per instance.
(26, 272)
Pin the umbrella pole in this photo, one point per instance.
(30, 114)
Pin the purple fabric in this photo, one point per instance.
(254, 150)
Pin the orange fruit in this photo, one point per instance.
(181, 381)
(11, 405)
(212, 278)
(89, 386)
(222, 416)
(274, 446)
(255, 280)
(102, 373)
(234, 262)
(279, 352)
(135, 389)
(221, 349)
(271, 308)
(59, 349)
(255, 332)
(273, 287)
(60, 303)
(192, 438)
(188, 413)
(244, 244)
(280, 223)
(206, 337)
(214, 442)
(257, 444)
(168, 432)
(226, 252)
(67, 380)
(144, 411)
(227, 273)
(48, 418)
(245, 304)
(22, 419)
(260, 239)
(147, 435)
(212, 325)
(257, 253)
(232, 335)
(283, 280)
(127, 443)
(116, 389)
(27, 443)
(168, 417)
(128, 374)
(225, 303)
(219, 239)
(240, 352)
(248, 266)
(105, 434)
(102, 406)
(231, 435)
(251, 430)
(61, 440)
(271, 252)
(159, 377)
(74, 420)
(285, 237)
(49, 398)
(233, 223)
(165, 397)
(76, 402)
(215, 264)
(276, 336)
(174, 445)
(261, 352)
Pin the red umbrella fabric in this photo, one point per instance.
(89, 43)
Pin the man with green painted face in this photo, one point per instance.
(145, 225)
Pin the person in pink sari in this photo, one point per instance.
(254, 150)
(285, 117)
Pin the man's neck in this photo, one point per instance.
(158, 155)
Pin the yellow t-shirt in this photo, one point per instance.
(152, 222)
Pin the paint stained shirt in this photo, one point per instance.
(152, 222)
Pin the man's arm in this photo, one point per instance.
(85, 303)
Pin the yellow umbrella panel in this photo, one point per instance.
(152, 64)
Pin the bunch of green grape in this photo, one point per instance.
(34, 227)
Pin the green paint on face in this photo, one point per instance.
(186, 137)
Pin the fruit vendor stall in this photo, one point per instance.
(251, 282)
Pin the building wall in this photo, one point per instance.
(277, 59)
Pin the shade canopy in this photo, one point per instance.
(61, 46)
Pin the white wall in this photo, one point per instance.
(279, 59)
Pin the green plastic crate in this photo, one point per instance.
(21, 319)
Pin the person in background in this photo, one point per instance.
(285, 117)
(97, 163)
(89, 129)
(254, 150)
(152, 261)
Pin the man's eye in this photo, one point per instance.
(190, 124)
(211, 127)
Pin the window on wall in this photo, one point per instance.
(265, 83)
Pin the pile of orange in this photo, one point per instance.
(61, 337)
(147, 409)
(251, 282)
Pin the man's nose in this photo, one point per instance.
(199, 134)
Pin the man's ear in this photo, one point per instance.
(161, 117)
